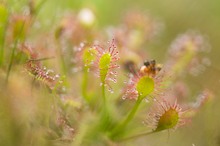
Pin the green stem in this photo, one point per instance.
(132, 113)
(37, 9)
(2, 47)
(104, 117)
(3, 29)
(61, 58)
(2, 51)
(129, 117)
(13, 52)
(137, 136)
(84, 85)
(11, 60)
(39, 6)
(103, 96)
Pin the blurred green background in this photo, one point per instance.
(178, 16)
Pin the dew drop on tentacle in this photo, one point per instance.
(123, 97)
(114, 80)
(110, 90)
(57, 76)
(82, 44)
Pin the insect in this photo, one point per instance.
(150, 68)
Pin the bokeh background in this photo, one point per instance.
(178, 16)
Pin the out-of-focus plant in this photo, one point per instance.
(82, 106)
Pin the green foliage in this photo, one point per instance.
(71, 108)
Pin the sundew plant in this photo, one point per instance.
(67, 81)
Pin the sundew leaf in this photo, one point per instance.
(89, 56)
(145, 86)
(168, 120)
(104, 64)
